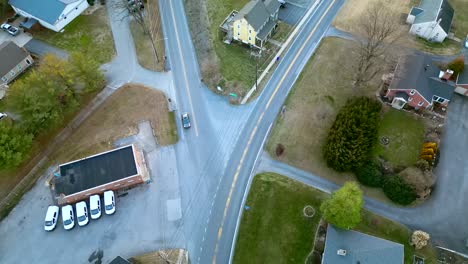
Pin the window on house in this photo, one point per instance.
(4, 79)
(420, 103)
(19, 67)
(238, 26)
(410, 99)
(439, 99)
(250, 31)
(250, 38)
(28, 61)
(412, 92)
(12, 73)
(238, 33)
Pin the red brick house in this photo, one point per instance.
(111, 170)
(419, 83)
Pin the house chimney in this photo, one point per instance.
(341, 252)
(445, 76)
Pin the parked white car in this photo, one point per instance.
(51, 218)
(109, 202)
(68, 217)
(95, 206)
(82, 213)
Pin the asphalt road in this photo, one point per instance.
(207, 172)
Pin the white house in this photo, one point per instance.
(431, 20)
(52, 14)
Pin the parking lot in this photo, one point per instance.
(147, 218)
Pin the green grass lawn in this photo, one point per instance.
(87, 33)
(406, 134)
(321, 90)
(237, 66)
(460, 22)
(274, 230)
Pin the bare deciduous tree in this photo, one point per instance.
(135, 9)
(379, 28)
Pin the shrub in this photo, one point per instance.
(279, 150)
(352, 134)
(370, 174)
(397, 190)
(457, 66)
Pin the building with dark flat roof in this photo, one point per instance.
(112, 170)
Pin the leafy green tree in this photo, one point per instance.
(397, 190)
(14, 145)
(370, 174)
(86, 72)
(457, 66)
(353, 134)
(343, 208)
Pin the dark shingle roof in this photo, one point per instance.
(10, 56)
(272, 6)
(96, 170)
(419, 72)
(446, 15)
(360, 248)
(402, 95)
(257, 12)
(266, 29)
(463, 76)
(46, 10)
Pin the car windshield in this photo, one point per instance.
(67, 222)
(109, 207)
(48, 223)
(94, 211)
(82, 218)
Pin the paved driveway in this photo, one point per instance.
(20, 39)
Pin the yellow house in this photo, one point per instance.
(255, 22)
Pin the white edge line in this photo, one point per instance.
(244, 198)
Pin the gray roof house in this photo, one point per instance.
(418, 82)
(254, 23)
(52, 14)
(351, 247)
(431, 20)
(14, 60)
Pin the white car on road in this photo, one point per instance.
(95, 206)
(109, 202)
(68, 217)
(51, 218)
(82, 213)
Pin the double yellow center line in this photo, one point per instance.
(254, 131)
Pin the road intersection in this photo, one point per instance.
(214, 161)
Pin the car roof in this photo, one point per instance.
(51, 210)
(80, 207)
(94, 198)
(108, 194)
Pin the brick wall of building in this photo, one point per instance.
(116, 185)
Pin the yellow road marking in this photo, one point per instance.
(184, 71)
(254, 131)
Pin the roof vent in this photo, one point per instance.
(341, 252)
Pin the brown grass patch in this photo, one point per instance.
(322, 89)
(118, 117)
